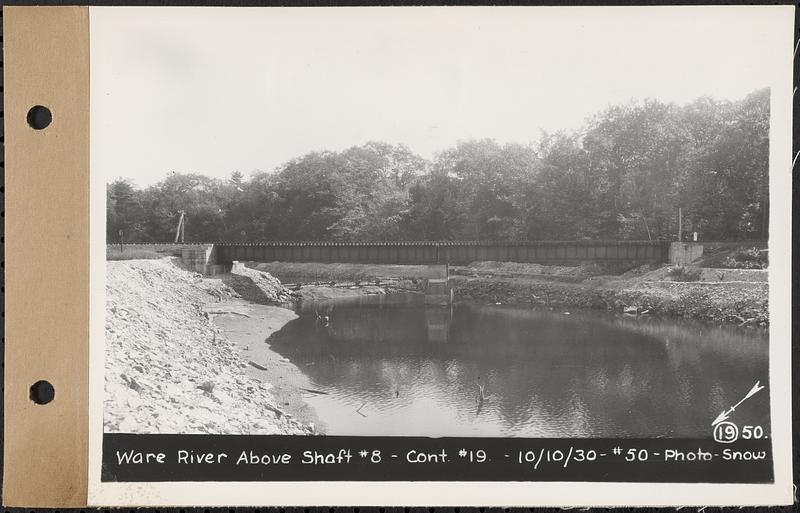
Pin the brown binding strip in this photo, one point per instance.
(46, 255)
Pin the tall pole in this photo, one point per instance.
(179, 231)
(680, 224)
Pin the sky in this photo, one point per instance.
(217, 90)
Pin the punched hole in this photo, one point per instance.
(39, 117)
(42, 392)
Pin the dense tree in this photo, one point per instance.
(124, 212)
(727, 187)
(623, 175)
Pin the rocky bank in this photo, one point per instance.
(731, 296)
(169, 368)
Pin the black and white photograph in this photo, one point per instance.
(478, 223)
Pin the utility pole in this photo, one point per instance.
(680, 224)
(180, 232)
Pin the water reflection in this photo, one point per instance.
(411, 369)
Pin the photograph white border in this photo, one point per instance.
(505, 494)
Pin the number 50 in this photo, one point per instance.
(752, 432)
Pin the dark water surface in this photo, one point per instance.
(393, 366)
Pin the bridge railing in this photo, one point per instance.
(443, 252)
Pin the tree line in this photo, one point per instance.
(623, 175)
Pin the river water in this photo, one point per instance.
(390, 365)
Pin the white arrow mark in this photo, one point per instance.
(724, 415)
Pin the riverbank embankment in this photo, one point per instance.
(730, 296)
(735, 296)
(171, 366)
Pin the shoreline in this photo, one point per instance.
(248, 325)
(729, 296)
(187, 353)
(169, 368)
(726, 303)
(652, 297)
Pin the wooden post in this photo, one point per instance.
(178, 230)
(179, 233)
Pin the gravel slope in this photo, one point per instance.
(169, 369)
